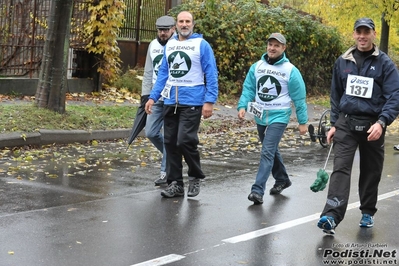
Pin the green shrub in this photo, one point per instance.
(238, 30)
(129, 80)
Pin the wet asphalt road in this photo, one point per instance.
(117, 217)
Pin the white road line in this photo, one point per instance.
(289, 224)
(161, 260)
(271, 229)
(258, 233)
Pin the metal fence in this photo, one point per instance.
(22, 30)
(23, 25)
(140, 18)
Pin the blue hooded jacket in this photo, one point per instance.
(193, 95)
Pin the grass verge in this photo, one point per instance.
(28, 118)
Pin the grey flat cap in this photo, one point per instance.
(165, 22)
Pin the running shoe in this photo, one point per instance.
(277, 189)
(161, 180)
(194, 186)
(366, 221)
(327, 224)
(256, 198)
(173, 190)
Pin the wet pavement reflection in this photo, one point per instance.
(96, 204)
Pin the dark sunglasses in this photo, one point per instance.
(163, 30)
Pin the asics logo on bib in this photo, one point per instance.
(356, 80)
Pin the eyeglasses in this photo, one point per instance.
(163, 30)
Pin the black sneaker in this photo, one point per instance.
(173, 190)
(161, 180)
(194, 187)
(277, 189)
(256, 198)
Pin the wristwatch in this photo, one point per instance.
(382, 123)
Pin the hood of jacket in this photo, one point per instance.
(192, 36)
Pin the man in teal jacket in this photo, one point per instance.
(270, 86)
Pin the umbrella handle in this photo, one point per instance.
(328, 156)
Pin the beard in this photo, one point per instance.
(162, 42)
(186, 34)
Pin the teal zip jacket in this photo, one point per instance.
(296, 93)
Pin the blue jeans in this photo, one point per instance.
(270, 159)
(153, 127)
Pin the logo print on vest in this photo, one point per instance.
(268, 88)
(179, 64)
(156, 64)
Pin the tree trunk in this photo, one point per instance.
(384, 34)
(52, 85)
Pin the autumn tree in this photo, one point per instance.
(237, 31)
(52, 84)
(101, 30)
(342, 14)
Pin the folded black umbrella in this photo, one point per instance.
(139, 121)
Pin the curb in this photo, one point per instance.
(46, 137)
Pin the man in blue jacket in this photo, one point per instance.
(364, 100)
(187, 62)
(270, 87)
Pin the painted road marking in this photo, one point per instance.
(271, 229)
(262, 232)
(161, 260)
(289, 224)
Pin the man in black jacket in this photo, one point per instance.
(364, 100)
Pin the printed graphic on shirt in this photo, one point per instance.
(156, 63)
(269, 88)
(179, 64)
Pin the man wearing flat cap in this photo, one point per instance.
(364, 101)
(270, 87)
(165, 29)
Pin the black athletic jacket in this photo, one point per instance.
(384, 102)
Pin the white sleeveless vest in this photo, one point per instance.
(272, 85)
(184, 62)
(156, 54)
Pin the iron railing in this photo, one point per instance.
(23, 25)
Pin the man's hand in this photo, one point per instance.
(302, 129)
(207, 110)
(241, 113)
(148, 106)
(375, 132)
(330, 135)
